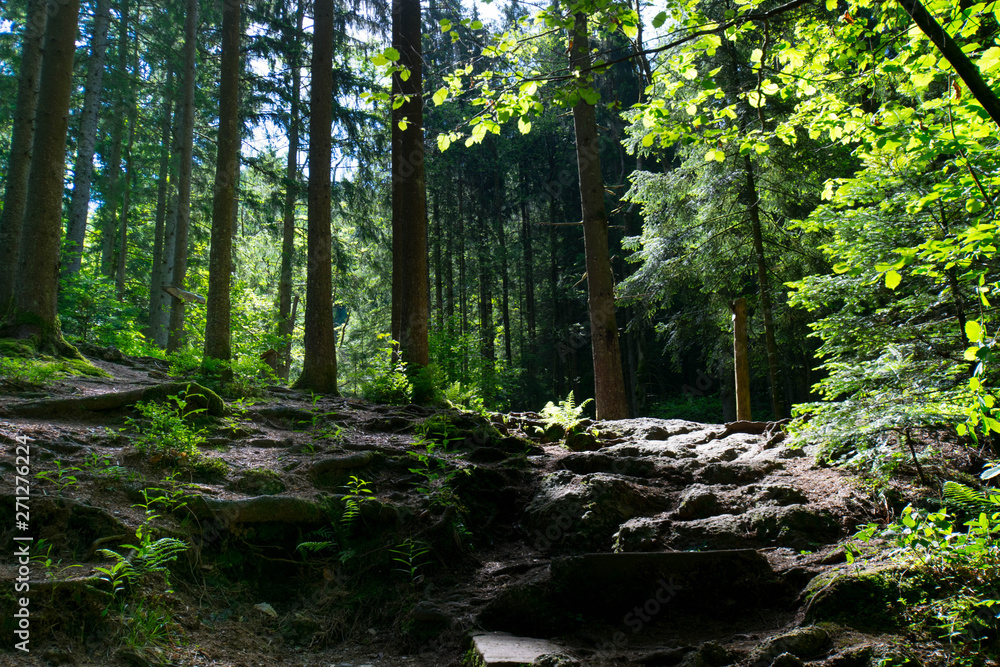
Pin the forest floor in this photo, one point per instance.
(650, 542)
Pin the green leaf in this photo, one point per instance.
(477, 25)
(631, 31)
(379, 60)
(659, 19)
(523, 126)
(831, 5)
(973, 330)
(445, 25)
(391, 53)
(892, 279)
(440, 96)
(444, 141)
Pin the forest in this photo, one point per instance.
(829, 163)
(774, 214)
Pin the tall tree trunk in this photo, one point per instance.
(449, 275)
(109, 258)
(180, 241)
(36, 289)
(218, 342)
(463, 311)
(15, 194)
(161, 330)
(286, 323)
(319, 366)
(409, 205)
(529, 258)
(156, 314)
(610, 398)
(486, 332)
(438, 268)
(83, 169)
(126, 203)
(773, 366)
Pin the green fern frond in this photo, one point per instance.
(315, 547)
(962, 496)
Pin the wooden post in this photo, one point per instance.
(739, 308)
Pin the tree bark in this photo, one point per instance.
(953, 53)
(409, 205)
(126, 203)
(286, 324)
(438, 265)
(180, 255)
(529, 258)
(610, 397)
(83, 169)
(19, 163)
(110, 231)
(156, 319)
(742, 359)
(773, 365)
(486, 333)
(218, 340)
(37, 285)
(319, 367)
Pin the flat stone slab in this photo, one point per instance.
(500, 650)
(614, 583)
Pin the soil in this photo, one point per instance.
(462, 541)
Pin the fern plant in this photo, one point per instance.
(566, 414)
(409, 556)
(357, 493)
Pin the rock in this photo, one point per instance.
(582, 442)
(628, 587)
(265, 608)
(787, 660)
(865, 599)
(583, 463)
(698, 502)
(260, 509)
(804, 643)
(651, 429)
(796, 526)
(331, 471)
(781, 494)
(555, 660)
(585, 511)
(500, 650)
(664, 657)
(735, 473)
(258, 482)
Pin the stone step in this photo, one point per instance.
(634, 589)
(612, 584)
(502, 650)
